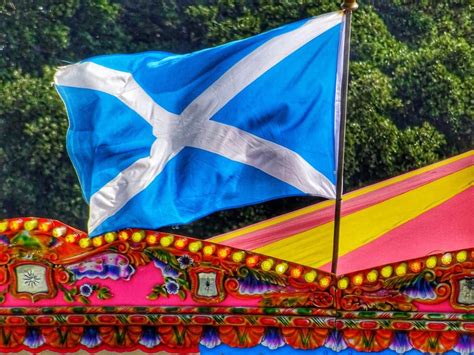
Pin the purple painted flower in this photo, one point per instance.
(150, 337)
(86, 290)
(335, 342)
(172, 287)
(465, 345)
(105, 266)
(400, 343)
(185, 261)
(4, 240)
(273, 339)
(33, 339)
(169, 271)
(90, 337)
(210, 338)
(250, 285)
(166, 270)
(420, 288)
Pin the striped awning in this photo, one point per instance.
(426, 211)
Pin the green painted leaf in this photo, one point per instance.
(83, 299)
(104, 293)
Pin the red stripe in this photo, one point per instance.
(314, 219)
(447, 227)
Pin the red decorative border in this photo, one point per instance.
(302, 307)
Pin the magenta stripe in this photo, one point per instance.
(314, 219)
(447, 227)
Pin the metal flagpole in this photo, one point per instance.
(347, 6)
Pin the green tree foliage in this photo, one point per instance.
(410, 96)
(35, 33)
(36, 176)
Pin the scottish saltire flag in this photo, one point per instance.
(162, 139)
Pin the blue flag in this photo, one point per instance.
(161, 139)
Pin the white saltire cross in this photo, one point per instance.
(194, 128)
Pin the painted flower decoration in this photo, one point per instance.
(185, 261)
(86, 290)
(335, 341)
(273, 339)
(172, 287)
(33, 338)
(150, 337)
(465, 344)
(251, 285)
(210, 338)
(4, 240)
(169, 271)
(400, 343)
(91, 337)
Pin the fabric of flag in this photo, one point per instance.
(163, 139)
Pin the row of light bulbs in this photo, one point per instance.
(402, 269)
(239, 256)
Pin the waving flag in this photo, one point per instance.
(160, 139)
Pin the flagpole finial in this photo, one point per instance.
(349, 5)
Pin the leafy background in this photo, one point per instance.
(410, 96)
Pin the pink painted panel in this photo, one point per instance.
(129, 293)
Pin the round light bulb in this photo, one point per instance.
(209, 250)
(415, 266)
(324, 281)
(71, 238)
(343, 283)
(166, 240)
(59, 231)
(16, 224)
(223, 253)
(98, 241)
(85, 242)
(431, 262)
(151, 239)
(372, 276)
(30, 225)
(387, 271)
(123, 235)
(267, 264)
(3, 226)
(401, 269)
(195, 246)
(358, 279)
(110, 237)
(461, 256)
(252, 261)
(238, 256)
(281, 268)
(296, 272)
(447, 259)
(310, 276)
(45, 226)
(138, 236)
(180, 243)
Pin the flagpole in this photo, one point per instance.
(347, 6)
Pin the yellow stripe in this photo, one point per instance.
(313, 247)
(348, 196)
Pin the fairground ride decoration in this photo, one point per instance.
(145, 290)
